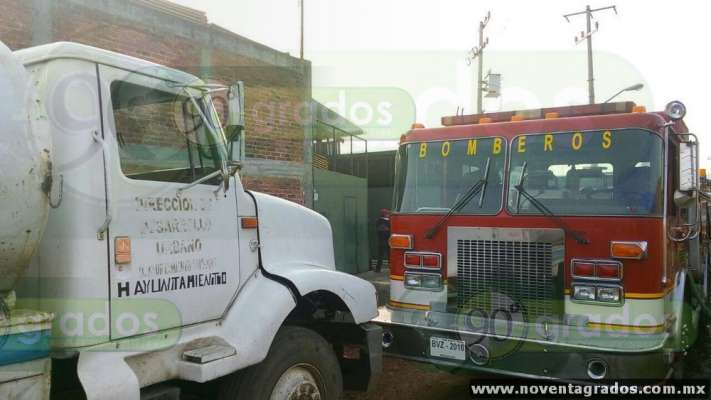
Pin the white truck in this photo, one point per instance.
(133, 263)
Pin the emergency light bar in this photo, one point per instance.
(544, 113)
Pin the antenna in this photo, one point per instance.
(587, 36)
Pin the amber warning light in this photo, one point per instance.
(250, 223)
(541, 113)
(628, 250)
(401, 242)
(122, 250)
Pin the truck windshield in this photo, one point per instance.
(434, 176)
(615, 172)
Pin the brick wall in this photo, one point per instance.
(277, 85)
(280, 187)
(16, 26)
(275, 105)
(76, 23)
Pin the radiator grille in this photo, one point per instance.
(490, 274)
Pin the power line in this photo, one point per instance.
(587, 35)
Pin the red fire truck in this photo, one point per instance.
(562, 243)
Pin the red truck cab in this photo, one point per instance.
(547, 243)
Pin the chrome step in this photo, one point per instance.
(209, 354)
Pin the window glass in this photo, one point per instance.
(161, 135)
(433, 176)
(589, 173)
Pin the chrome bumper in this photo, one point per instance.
(552, 351)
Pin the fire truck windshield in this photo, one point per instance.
(432, 177)
(616, 172)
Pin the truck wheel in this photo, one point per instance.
(301, 365)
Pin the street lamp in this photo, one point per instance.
(632, 88)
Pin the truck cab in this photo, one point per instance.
(551, 243)
(156, 264)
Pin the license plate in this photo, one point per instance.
(447, 348)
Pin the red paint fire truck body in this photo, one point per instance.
(560, 243)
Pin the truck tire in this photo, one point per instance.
(300, 365)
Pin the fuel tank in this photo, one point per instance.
(25, 169)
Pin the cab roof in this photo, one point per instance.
(76, 51)
(560, 119)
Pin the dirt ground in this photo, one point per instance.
(409, 380)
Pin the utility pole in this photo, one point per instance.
(587, 35)
(478, 53)
(301, 4)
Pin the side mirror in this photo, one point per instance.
(229, 170)
(686, 195)
(235, 121)
(235, 98)
(688, 166)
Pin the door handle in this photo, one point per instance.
(107, 156)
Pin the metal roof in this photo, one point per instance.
(76, 51)
(332, 120)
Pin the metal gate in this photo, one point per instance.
(343, 200)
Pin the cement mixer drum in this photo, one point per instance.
(25, 170)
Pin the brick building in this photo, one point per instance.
(278, 86)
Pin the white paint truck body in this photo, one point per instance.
(158, 266)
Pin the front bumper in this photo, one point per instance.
(360, 373)
(553, 351)
(374, 365)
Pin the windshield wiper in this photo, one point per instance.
(479, 186)
(578, 236)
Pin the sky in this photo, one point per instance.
(417, 49)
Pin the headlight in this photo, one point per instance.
(604, 295)
(609, 294)
(423, 281)
(675, 110)
(432, 282)
(585, 293)
(413, 281)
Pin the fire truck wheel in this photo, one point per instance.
(301, 365)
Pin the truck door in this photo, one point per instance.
(173, 253)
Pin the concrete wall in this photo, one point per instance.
(278, 86)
